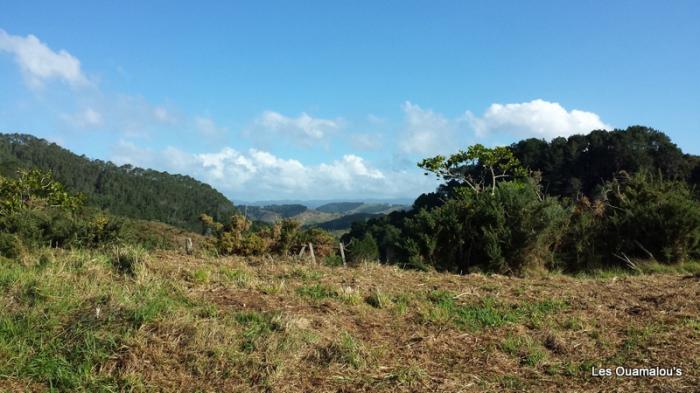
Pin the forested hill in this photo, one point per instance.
(580, 163)
(123, 190)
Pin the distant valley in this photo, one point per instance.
(332, 216)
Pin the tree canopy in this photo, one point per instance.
(122, 190)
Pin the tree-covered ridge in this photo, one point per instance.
(575, 204)
(122, 190)
(581, 163)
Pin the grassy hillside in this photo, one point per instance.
(346, 208)
(339, 207)
(345, 222)
(127, 191)
(129, 321)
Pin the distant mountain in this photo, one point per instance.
(123, 190)
(360, 207)
(271, 213)
(314, 203)
(330, 216)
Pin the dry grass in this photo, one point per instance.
(183, 323)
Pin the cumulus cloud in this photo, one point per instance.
(303, 130)
(537, 118)
(428, 132)
(87, 118)
(258, 174)
(39, 63)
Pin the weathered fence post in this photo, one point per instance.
(301, 252)
(342, 253)
(188, 246)
(311, 250)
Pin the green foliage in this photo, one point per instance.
(649, 215)
(364, 249)
(124, 191)
(478, 167)
(34, 189)
(242, 237)
(580, 164)
(286, 234)
(583, 224)
(10, 245)
(509, 231)
(39, 211)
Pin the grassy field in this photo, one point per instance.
(124, 320)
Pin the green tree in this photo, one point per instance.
(478, 167)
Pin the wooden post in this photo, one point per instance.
(188, 246)
(301, 252)
(311, 250)
(342, 253)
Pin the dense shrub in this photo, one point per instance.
(649, 215)
(364, 249)
(242, 237)
(36, 209)
(56, 227)
(584, 245)
(507, 231)
(10, 246)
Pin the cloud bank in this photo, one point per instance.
(258, 174)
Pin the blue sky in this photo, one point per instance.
(325, 100)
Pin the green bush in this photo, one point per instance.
(510, 230)
(10, 246)
(584, 244)
(649, 215)
(364, 249)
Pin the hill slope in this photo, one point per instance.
(330, 216)
(123, 190)
(247, 325)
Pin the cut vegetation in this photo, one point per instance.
(134, 321)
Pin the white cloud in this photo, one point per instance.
(303, 130)
(427, 132)
(537, 118)
(88, 118)
(39, 63)
(258, 174)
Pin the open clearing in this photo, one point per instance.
(71, 321)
